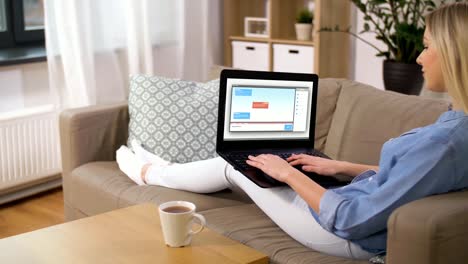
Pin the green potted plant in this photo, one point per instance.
(303, 25)
(399, 24)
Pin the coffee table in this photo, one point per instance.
(128, 235)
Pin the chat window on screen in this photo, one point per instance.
(259, 108)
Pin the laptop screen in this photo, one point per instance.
(267, 109)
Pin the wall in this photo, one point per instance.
(367, 67)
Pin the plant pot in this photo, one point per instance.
(303, 31)
(402, 77)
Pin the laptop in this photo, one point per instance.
(267, 113)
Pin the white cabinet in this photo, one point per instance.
(293, 58)
(250, 55)
(286, 57)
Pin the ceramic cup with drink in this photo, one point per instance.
(177, 218)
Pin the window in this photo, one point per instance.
(3, 26)
(21, 23)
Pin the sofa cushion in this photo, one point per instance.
(100, 187)
(250, 226)
(173, 118)
(328, 92)
(366, 117)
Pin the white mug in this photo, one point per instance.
(176, 222)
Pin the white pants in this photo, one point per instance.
(287, 209)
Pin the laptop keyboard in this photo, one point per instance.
(240, 158)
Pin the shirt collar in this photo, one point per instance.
(450, 115)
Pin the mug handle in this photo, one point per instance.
(202, 220)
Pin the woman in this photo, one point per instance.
(350, 221)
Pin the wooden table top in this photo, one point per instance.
(129, 235)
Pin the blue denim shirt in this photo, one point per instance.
(419, 163)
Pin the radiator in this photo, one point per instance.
(29, 148)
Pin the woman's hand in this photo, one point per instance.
(272, 165)
(318, 165)
(281, 170)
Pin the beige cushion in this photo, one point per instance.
(328, 92)
(249, 225)
(100, 186)
(366, 117)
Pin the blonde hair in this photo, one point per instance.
(448, 27)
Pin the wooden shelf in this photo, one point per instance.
(242, 38)
(292, 42)
(273, 41)
(331, 50)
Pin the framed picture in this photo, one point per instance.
(256, 27)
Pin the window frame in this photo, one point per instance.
(22, 35)
(6, 37)
(15, 35)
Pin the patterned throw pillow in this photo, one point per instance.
(175, 119)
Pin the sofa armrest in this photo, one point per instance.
(431, 230)
(91, 134)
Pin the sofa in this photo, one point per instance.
(353, 121)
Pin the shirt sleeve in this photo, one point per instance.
(362, 208)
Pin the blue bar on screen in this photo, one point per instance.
(242, 115)
(243, 92)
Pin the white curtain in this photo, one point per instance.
(202, 38)
(94, 45)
